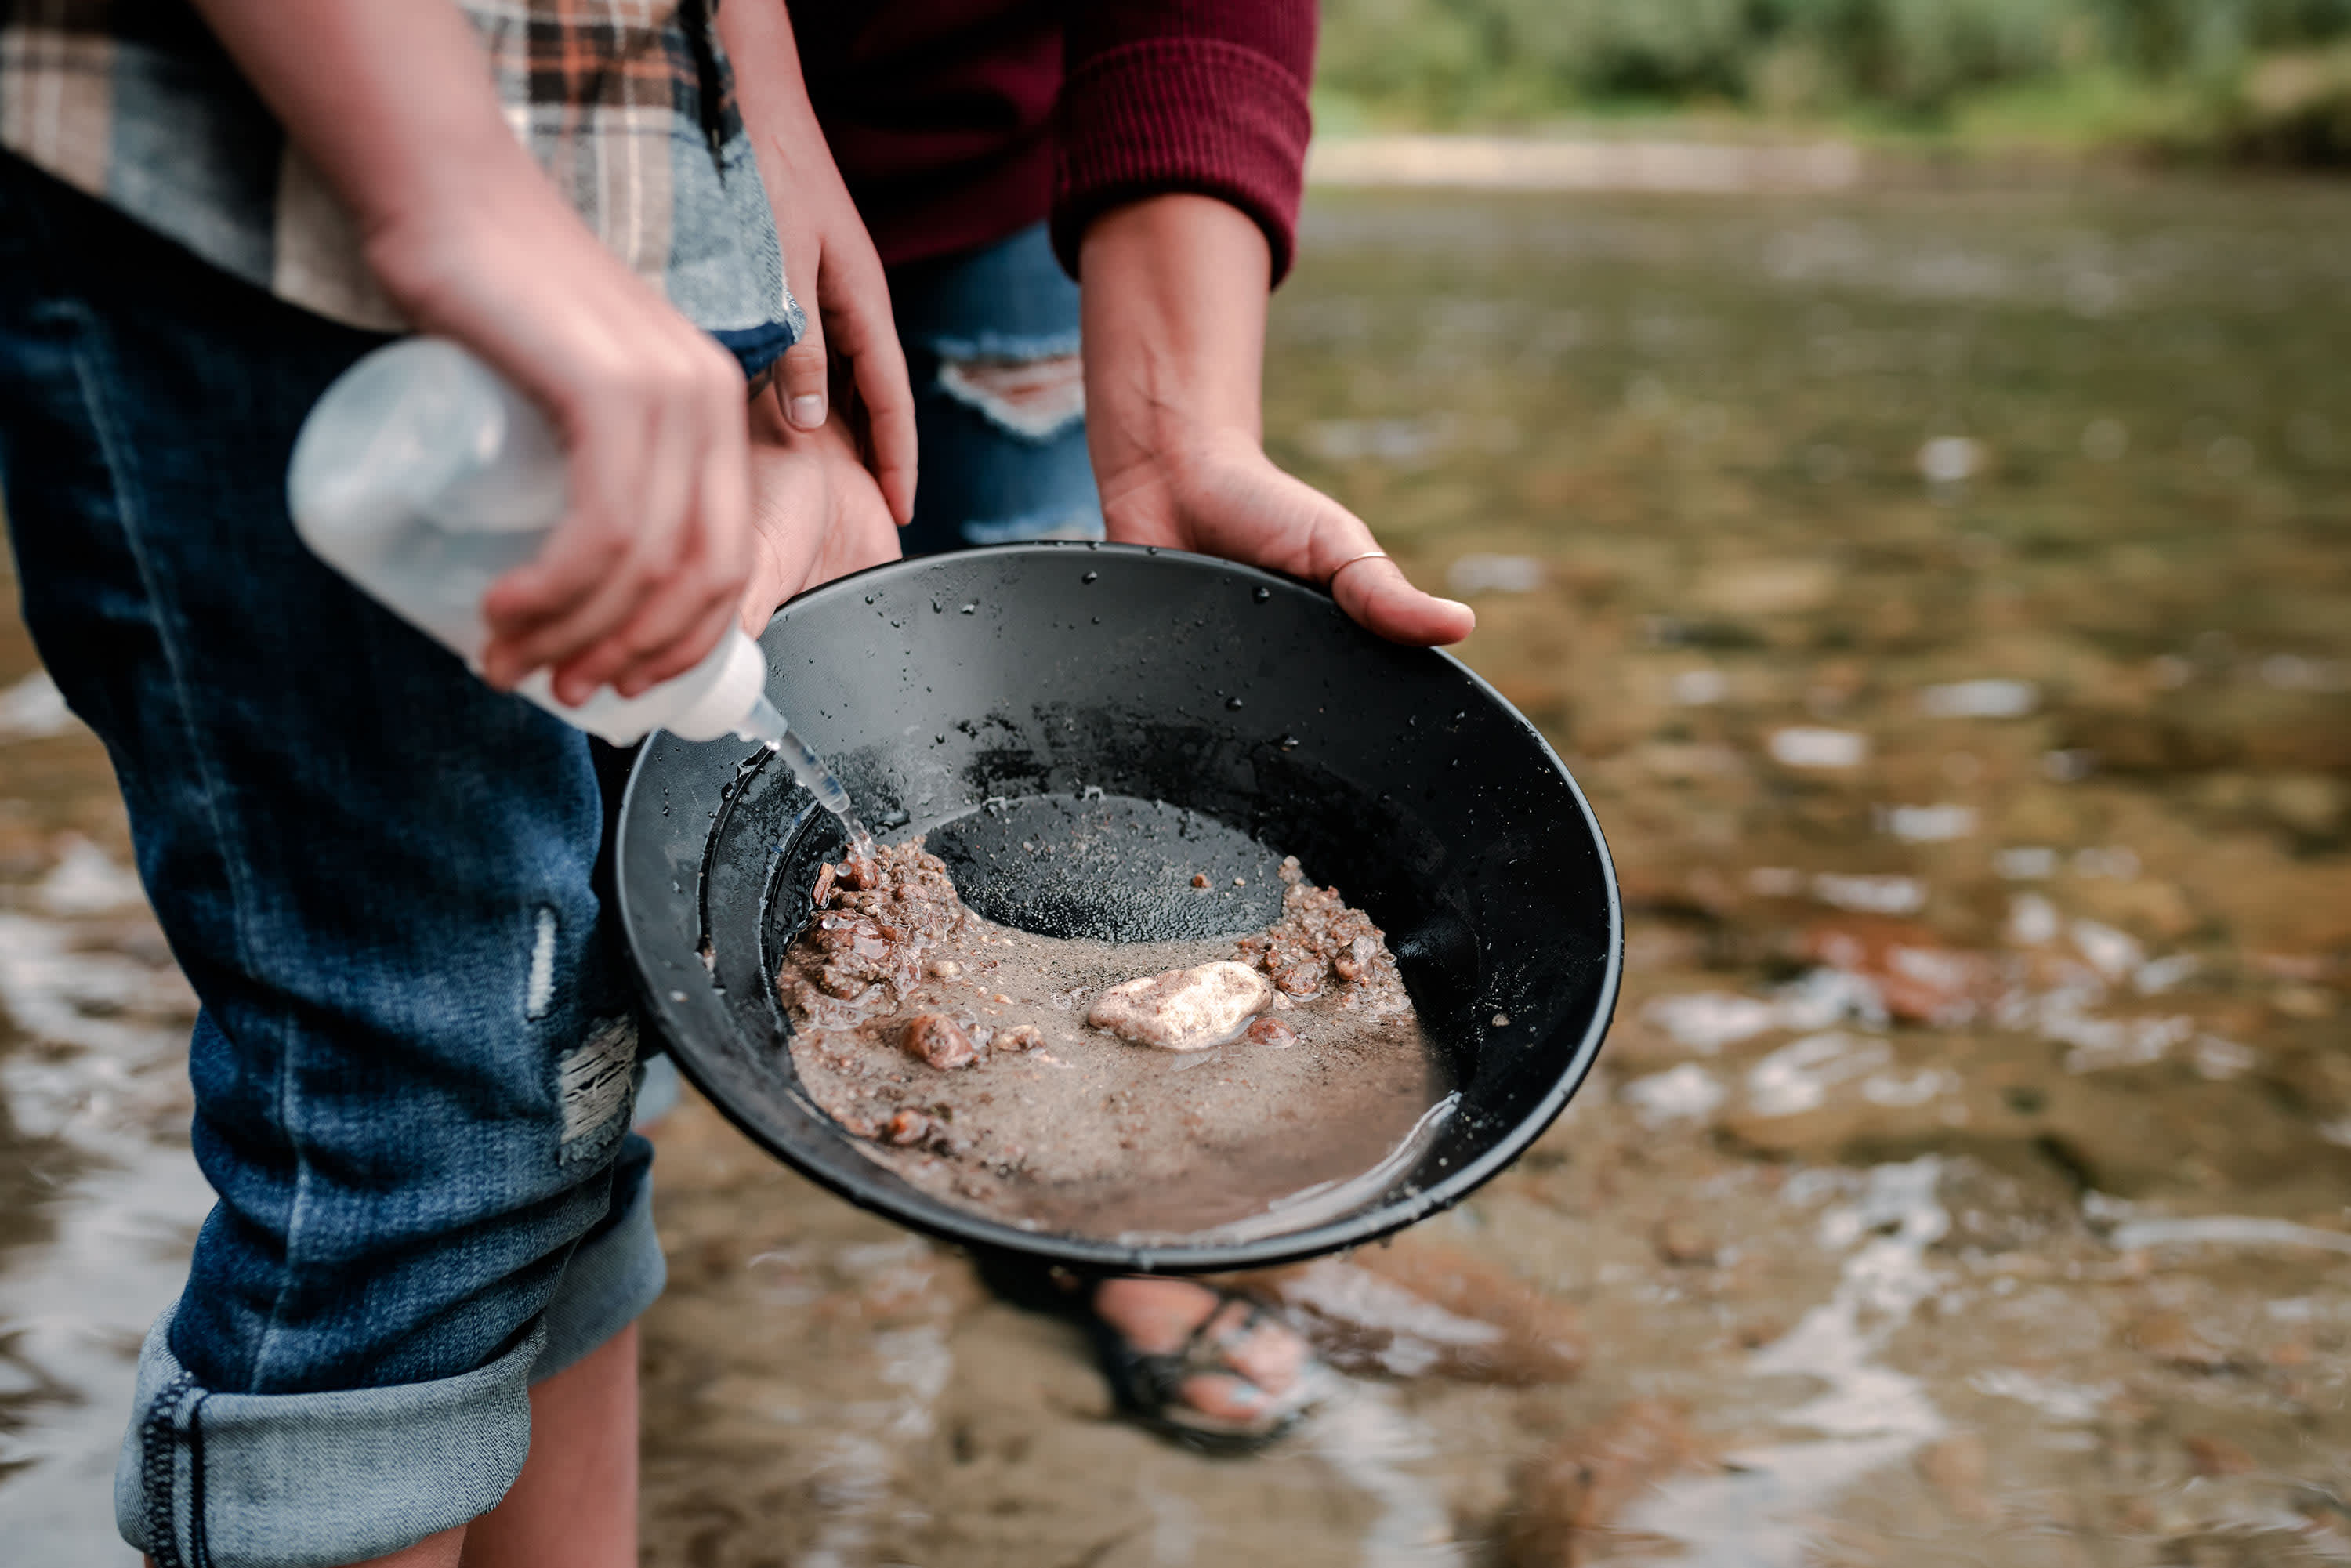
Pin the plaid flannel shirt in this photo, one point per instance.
(628, 105)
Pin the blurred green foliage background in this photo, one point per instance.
(2255, 79)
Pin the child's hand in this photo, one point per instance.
(639, 581)
(392, 100)
(816, 513)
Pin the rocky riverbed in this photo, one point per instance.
(1943, 596)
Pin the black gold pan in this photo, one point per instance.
(982, 697)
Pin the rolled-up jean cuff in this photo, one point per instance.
(313, 1481)
(610, 1282)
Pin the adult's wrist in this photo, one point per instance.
(1172, 295)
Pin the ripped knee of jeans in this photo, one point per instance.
(1035, 399)
(596, 1083)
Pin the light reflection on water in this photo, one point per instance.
(91, 1084)
(1943, 598)
(1865, 1415)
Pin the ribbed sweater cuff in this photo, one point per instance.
(1190, 114)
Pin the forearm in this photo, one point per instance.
(391, 98)
(1173, 291)
(829, 264)
(769, 93)
(394, 102)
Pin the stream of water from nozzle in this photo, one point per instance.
(766, 725)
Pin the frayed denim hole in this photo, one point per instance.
(595, 1085)
(1035, 400)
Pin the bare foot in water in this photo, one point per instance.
(1266, 1360)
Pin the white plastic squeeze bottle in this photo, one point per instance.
(423, 477)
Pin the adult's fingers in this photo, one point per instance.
(858, 319)
(801, 374)
(787, 511)
(863, 534)
(1278, 520)
(818, 514)
(1375, 591)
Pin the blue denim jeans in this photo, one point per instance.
(415, 1060)
(991, 341)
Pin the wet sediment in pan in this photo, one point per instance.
(1110, 1090)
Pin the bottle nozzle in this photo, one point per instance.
(765, 724)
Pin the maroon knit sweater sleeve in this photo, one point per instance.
(1207, 96)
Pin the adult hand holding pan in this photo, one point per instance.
(1037, 674)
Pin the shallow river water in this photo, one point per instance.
(1944, 596)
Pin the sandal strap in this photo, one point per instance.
(1209, 1349)
(1159, 1376)
(1149, 1388)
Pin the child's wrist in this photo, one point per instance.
(420, 236)
(445, 188)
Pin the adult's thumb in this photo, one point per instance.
(801, 378)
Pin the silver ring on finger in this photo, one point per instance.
(1368, 555)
